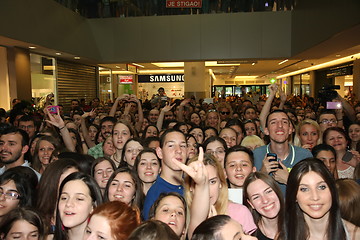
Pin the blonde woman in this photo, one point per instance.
(308, 134)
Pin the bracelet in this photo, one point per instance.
(62, 128)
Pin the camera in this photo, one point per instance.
(328, 93)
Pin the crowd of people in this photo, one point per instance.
(283, 168)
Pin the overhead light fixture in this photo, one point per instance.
(32, 47)
(117, 66)
(219, 64)
(169, 64)
(337, 55)
(253, 63)
(282, 62)
(138, 65)
(322, 65)
(179, 71)
(108, 72)
(245, 77)
(58, 53)
(76, 57)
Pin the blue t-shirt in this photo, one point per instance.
(289, 162)
(160, 186)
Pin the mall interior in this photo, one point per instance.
(47, 47)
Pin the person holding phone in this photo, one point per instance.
(278, 127)
(346, 160)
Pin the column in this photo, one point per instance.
(312, 83)
(356, 78)
(19, 73)
(4, 80)
(197, 80)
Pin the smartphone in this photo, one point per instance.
(333, 105)
(53, 109)
(347, 157)
(274, 157)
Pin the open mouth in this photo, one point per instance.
(239, 176)
(268, 207)
(315, 207)
(69, 213)
(148, 173)
(117, 196)
(171, 223)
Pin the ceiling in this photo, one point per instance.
(346, 43)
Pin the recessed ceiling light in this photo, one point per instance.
(337, 55)
(77, 58)
(283, 61)
(253, 64)
(117, 66)
(58, 53)
(32, 47)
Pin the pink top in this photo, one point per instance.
(242, 215)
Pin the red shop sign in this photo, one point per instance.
(183, 3)
(125, 79)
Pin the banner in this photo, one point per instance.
(183, 3)
(161, 78)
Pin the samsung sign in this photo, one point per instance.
(161, 78)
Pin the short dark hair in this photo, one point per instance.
(27, 118)
(275, 111)
(210, 229)
(108, 119)
(322, 147)
(238, 148)
(163, 195)
(326, 111)
(14, 130)
(163, 136)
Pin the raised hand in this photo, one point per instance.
(55, 119)
(273, 88)
(168, 107)
(185, 101)
(196, 170)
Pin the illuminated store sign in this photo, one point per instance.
(161, 78)
(183, 3)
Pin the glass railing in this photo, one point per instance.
(135, 8)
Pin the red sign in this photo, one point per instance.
(126, 79)
(183, 3)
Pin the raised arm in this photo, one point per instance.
(139, 123)
(283, 98)
(58, 122)
(160, 120)
(267, 106)
(116, 103)
(84, 129)
(200, 206)
(180, 113)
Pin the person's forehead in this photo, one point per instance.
(11, 137)
(327, 116)
(278, 115)
(26, 123)
(107, 123)
(174, 136)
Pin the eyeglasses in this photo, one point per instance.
(224, 113)
(326, 121)
(10, 195)
(216, 152)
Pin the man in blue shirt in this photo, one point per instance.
(172, 148)
(278, 127)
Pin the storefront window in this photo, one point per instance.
(105, 85)
(43, 78)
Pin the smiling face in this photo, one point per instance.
(108, 147)
(354, 132)
(250, 128)
(238, 166)
(7, 204)
(45, 150)
(122, 188)
(171, 211)
(121, 135)
(263, 199)
(148, 168)
(22, 229)
(194, 118)
(11, 149)
(313, 196)
(75, 204)
(102, 173)
(132, 150)
(92, 132)
(98, 228)
(212, 119)
(278, 127)
(336, 140)
(198, 134)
